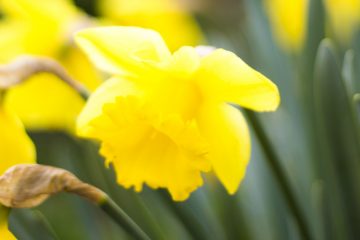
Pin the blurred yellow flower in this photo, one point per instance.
(163, 118)
(4, 230)
(15, 148)
(344, 17)
(176, 26)
(288, 19)
(44, 28)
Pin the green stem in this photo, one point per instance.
(280, 176)
(117, 214)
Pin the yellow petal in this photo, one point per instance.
(163, 153)
(45, 102)
(119, 49)
(183, 63)
(225, 77)
(172, 90)
(165, 16)
(12, 39)
(225, 129)
(289, 21)
(15, 146)
(37, 18)
(80, 68)
(54, 9)
(344, 17)
(4, 230)
(106, 93)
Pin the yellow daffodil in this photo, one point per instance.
(162, 118)
(344, 17)
(44, 28)
(288, 19)
(15, 148)
(165, 16)
(43, 23)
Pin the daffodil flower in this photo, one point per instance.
(344, 17)
(44, 28)
(288, 21)
(167, 17)
(163, 118)
(15, 148)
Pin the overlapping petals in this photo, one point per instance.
(168, 17)
(226, 131)
(142, 47)
(166, 125)
(145, 148)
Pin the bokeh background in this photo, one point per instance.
(305, 161)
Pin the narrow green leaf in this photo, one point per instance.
(29, 224)
(336, 136)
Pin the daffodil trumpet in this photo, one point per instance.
(24, 67)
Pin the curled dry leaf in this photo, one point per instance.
(23, 67)
(28, 185)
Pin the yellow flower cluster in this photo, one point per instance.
(163, 119)
(289, 20)
(44, 28)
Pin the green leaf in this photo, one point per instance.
(337, 141)
(315, 33)
(29, 224)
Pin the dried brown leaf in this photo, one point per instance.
(28, 185)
